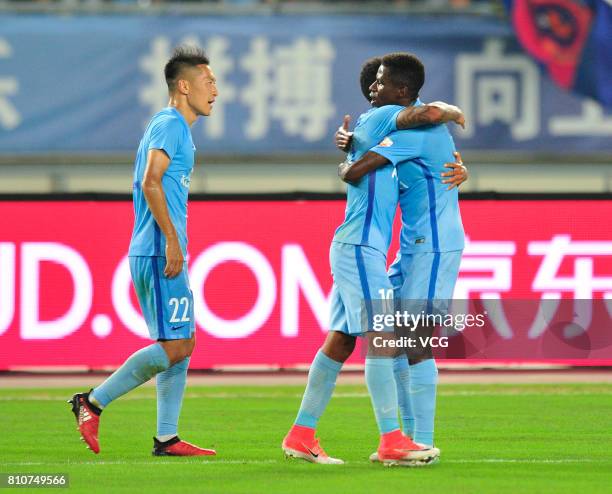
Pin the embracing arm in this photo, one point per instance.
(352, 173)
(434, 113)
(410, 117)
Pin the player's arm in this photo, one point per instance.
(157, 164)
(352, 173)
(410, 117)
(434, 113)
(458, 173)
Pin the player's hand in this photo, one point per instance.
(460, 119)
(342, 169)
(174, 258)
(457, 175)
(343, 136)
(451, 113)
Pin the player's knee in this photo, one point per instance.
(419, 354)
(339, 346)
(348, 346)
(343, 353)
(381, 344)
(345, 343)
(417, 360)
(189, 348)
(185, 350)
(178, 350)
(337, 353)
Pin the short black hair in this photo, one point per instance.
(183, 56)
(405, 70)
(368, 75)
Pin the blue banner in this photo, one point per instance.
(90, 83)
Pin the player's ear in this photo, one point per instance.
(183, 86)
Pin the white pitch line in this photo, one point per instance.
(527, 460)
(232, 396)
(139, 462)
(534, 461)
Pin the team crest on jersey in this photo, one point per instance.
(186, 181)
(386, 143)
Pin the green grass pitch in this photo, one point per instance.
(494, 439)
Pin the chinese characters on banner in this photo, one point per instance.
(283, 86)
(9, 116)
(289, 83)
(498, 87)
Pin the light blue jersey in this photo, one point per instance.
(371, 203)
(168, 130)
(431, 221)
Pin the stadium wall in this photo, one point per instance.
(309, 174)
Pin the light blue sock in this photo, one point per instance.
(401, 370)
(381, 385)
(170, 391)
(423, 383)
(136, 370)
(321, 383)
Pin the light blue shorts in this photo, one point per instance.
(360, 282)
(166, 303)
(425, 280)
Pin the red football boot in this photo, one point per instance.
(88, 419)
(301, 443)
(397, 449)
(176, 447)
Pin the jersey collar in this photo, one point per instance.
(178, 114)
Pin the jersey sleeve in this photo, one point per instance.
(166, 135)
(383, 121)
(399, 146)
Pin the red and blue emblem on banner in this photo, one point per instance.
(572, 39)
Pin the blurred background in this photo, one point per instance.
(80, 79)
